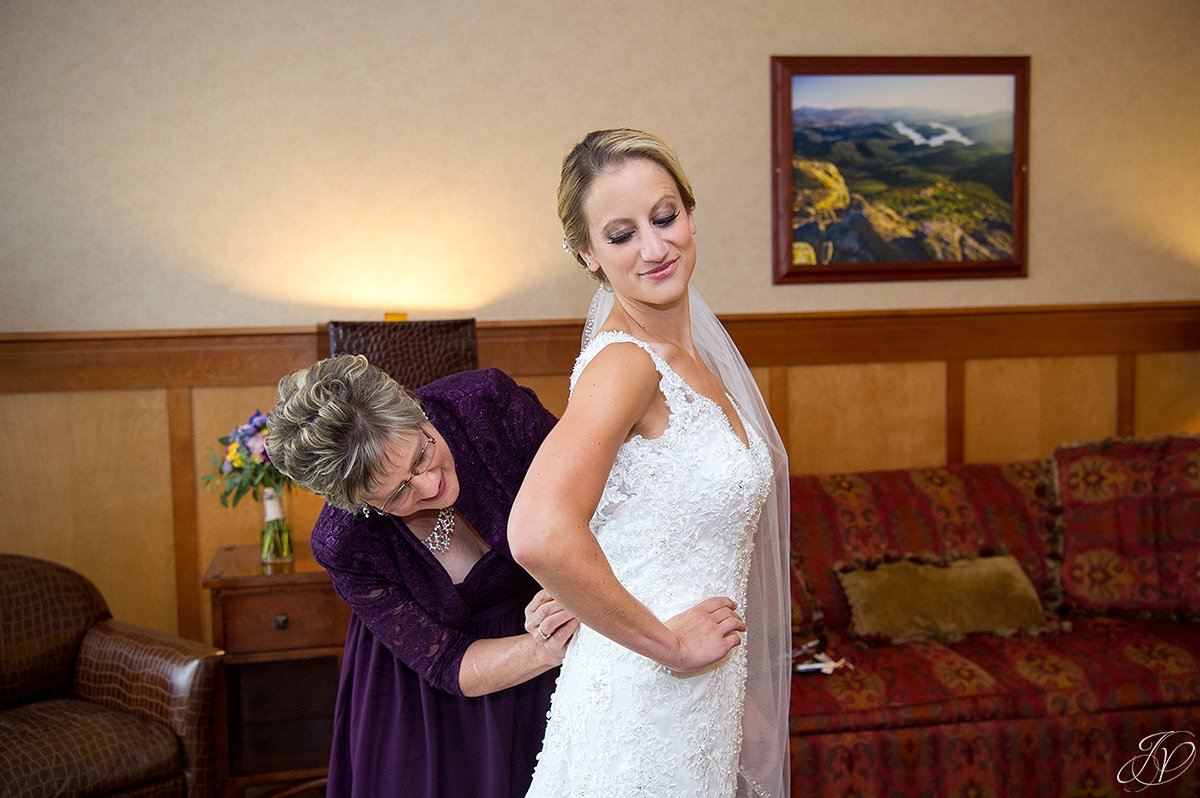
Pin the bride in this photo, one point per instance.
(656, 512)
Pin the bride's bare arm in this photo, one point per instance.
(616, 395)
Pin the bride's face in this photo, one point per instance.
(640, 233)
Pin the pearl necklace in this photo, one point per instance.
(439, 539)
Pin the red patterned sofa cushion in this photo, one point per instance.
(915, 684)
(1130, 524)
(953, 511)
(1178, 514)
(1103, 664)
(1061, 755)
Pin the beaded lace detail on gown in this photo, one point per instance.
(676, 522)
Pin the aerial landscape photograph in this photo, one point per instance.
(902, 169)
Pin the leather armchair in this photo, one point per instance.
(93, 706)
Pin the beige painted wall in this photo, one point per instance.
(279, 162)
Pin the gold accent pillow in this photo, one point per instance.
(908, 601)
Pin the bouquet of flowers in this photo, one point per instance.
(245, 468)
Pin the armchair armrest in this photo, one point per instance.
(158, 677)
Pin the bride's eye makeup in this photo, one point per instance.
(663, 221)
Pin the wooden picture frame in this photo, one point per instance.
(899, 168)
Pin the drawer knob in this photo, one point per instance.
(281, 622)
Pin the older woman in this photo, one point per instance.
(452, 651)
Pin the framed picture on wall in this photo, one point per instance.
(899, 168)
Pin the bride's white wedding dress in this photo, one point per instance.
(676, 522)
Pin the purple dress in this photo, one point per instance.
(401, 726)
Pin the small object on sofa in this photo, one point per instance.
(822, 663)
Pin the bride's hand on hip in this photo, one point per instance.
(706, 633)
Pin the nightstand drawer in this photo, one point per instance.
(279, 620)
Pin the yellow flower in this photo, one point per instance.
(234, 456)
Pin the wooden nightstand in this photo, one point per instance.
(282, 629)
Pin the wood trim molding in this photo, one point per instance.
(969, 333)
(532, 348)
(226, 358)
(154, 359)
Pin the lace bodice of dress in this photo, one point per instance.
(676, 521)
(677, 511)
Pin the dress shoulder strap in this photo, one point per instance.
(613, 337)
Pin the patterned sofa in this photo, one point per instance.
(91, 706)
(1094, 693)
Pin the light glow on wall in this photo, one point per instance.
(370, 252)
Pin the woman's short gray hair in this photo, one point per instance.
(333, 424)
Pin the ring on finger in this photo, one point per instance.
(543, 635)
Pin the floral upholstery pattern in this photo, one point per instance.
(895, 687)
(937, 513)
(1131, 524)
(1105, 532)
(1104, 664)
(1075, 756)
(1178, 511)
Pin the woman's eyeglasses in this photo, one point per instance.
(424, 458)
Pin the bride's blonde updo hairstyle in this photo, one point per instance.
(601, 151)
(333, 424)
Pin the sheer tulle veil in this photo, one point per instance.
(764, 760)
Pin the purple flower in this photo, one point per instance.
(256, 444)
(246, 468)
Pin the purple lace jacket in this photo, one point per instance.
(391, 581)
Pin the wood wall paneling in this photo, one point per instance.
(774, 387)
(532, 349)
(86, 482)
(183, 512)
(551, 390)
(1020, 408)
(109, 433)
(864, 416)
(1167, 393)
